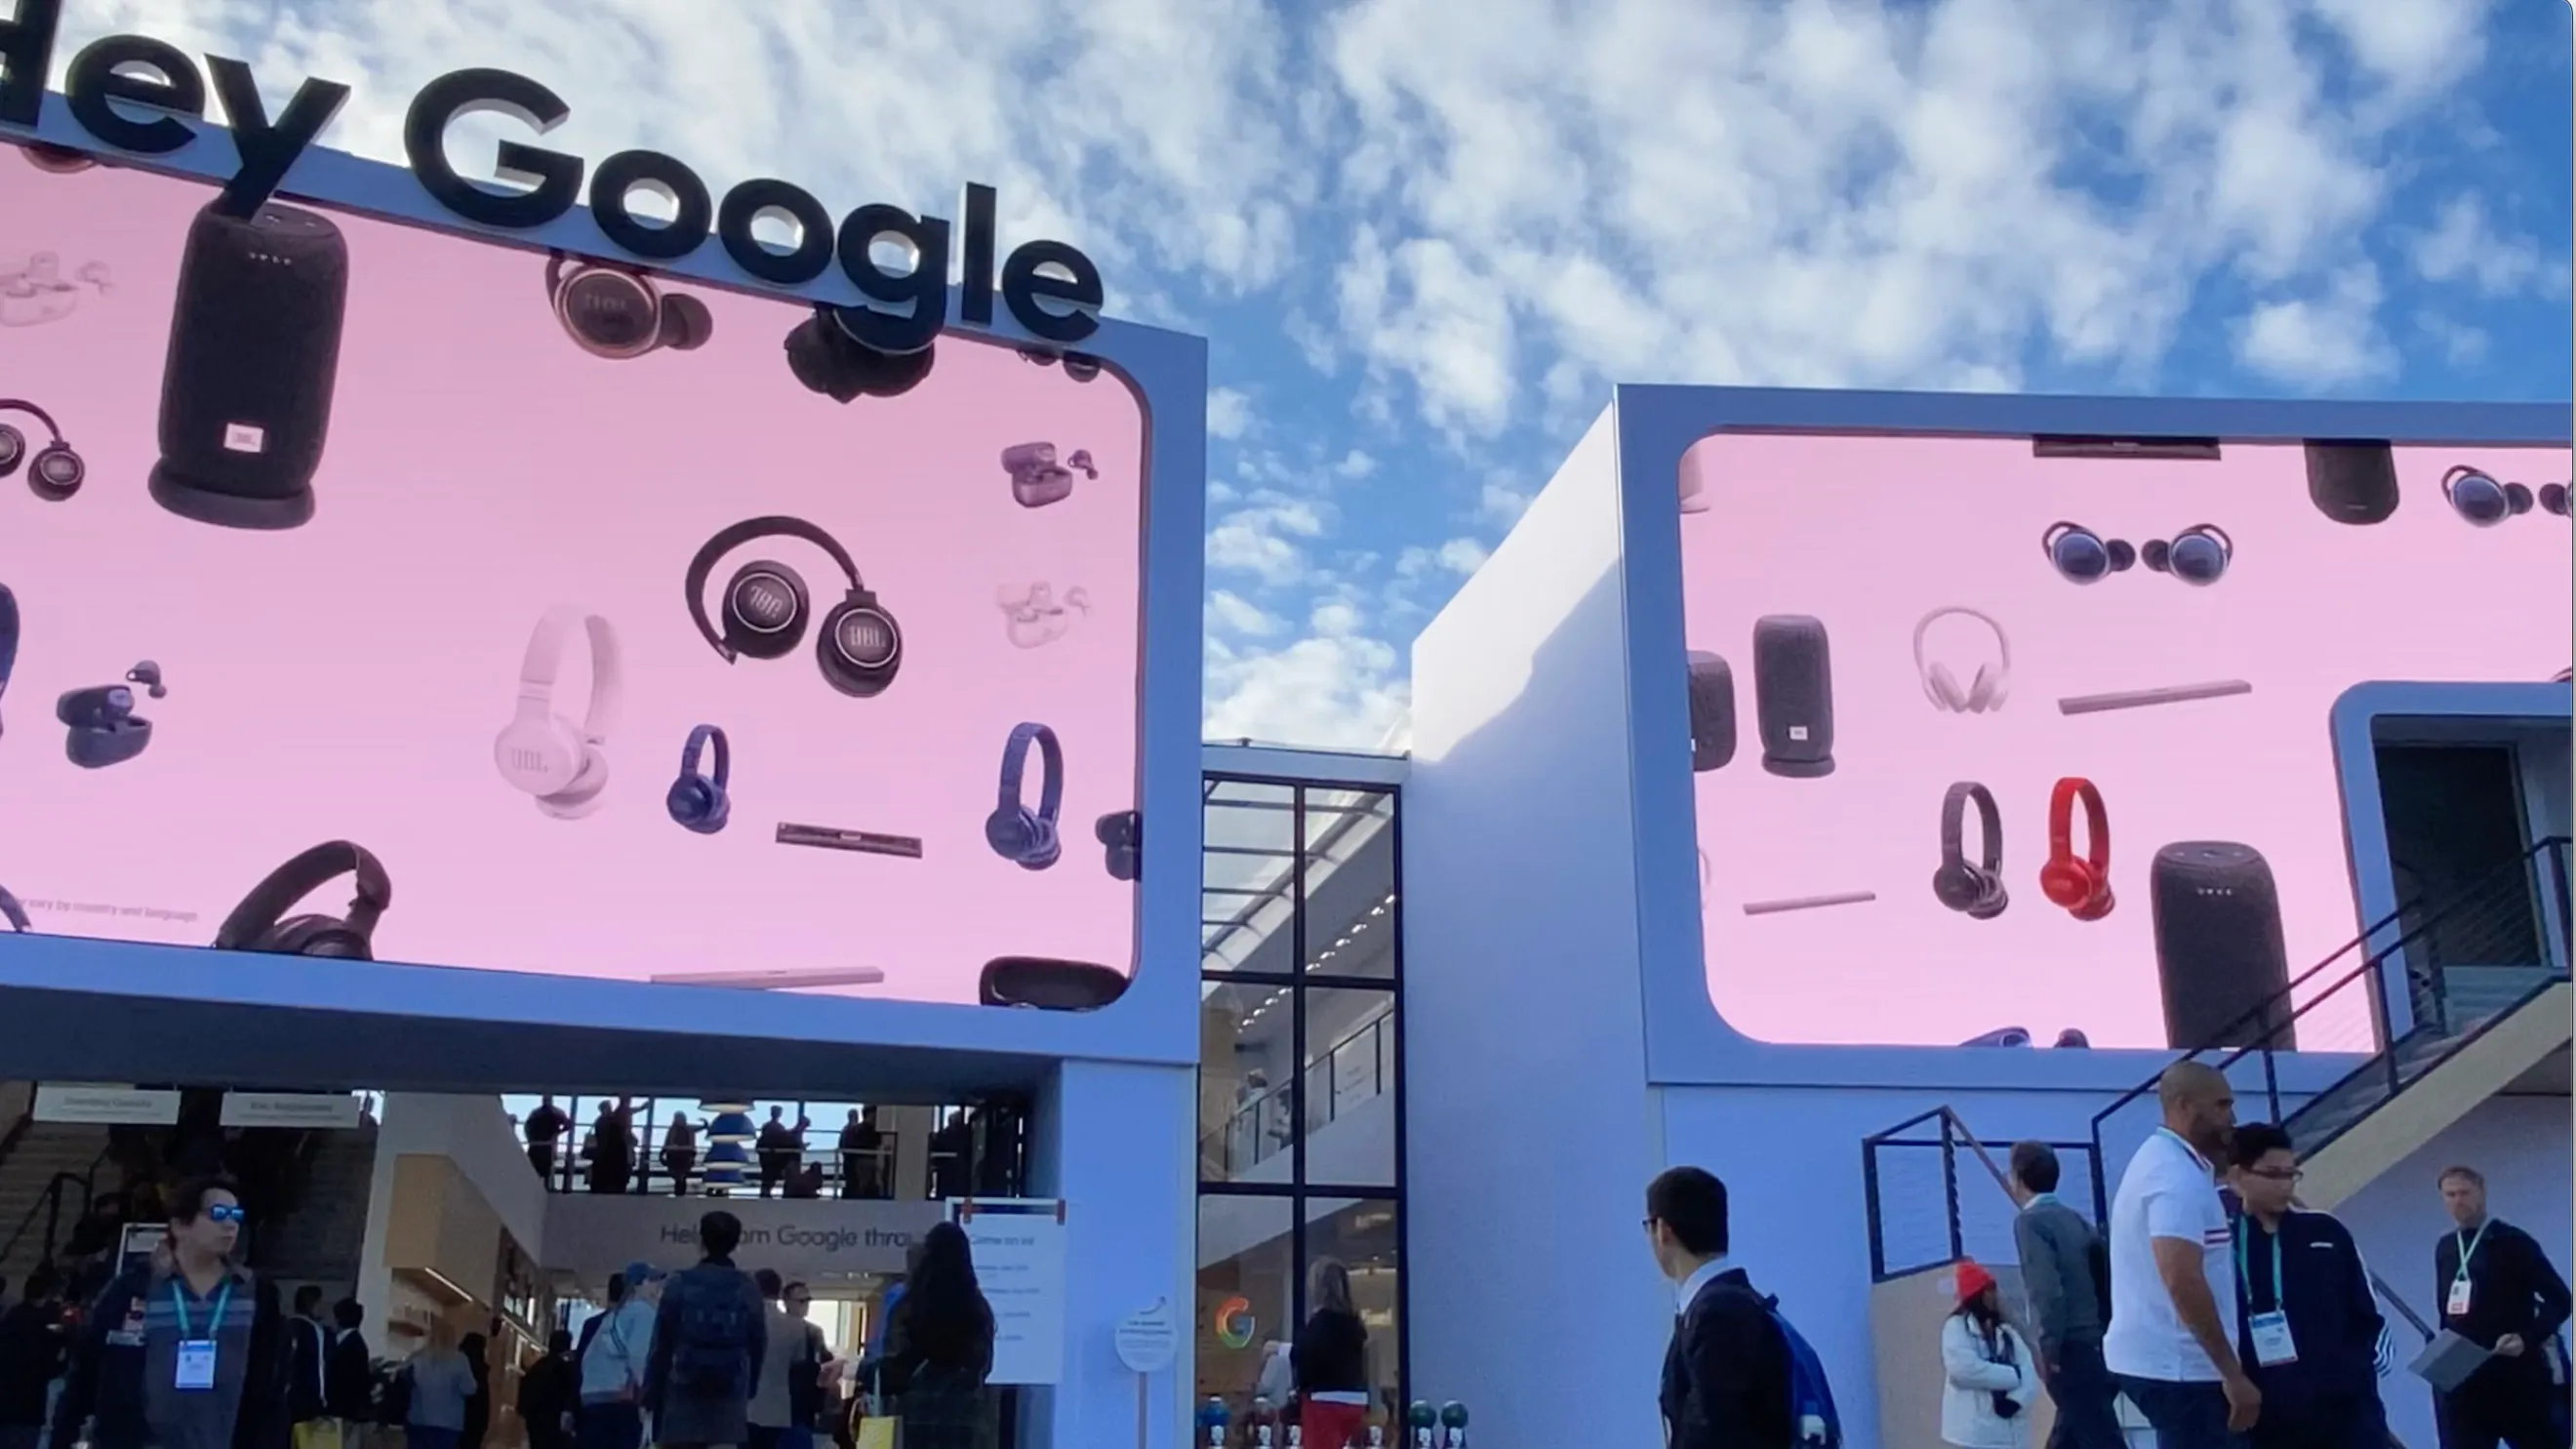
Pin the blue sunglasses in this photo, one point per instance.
(226, 1212)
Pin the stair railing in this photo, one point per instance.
(1951, 1137)
(2503, 896)
(50, 1203)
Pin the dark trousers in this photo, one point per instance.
(610, 1426)
(2082, 1390)
(679, 1162)
(2320, 1426)
(2184, 1415)
(2521, 1412)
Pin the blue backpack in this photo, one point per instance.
(1813, 1419)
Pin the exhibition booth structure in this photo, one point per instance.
(1829, 789)
(589, 631)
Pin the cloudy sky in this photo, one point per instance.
(1425, 236)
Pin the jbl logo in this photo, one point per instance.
(528, 761)
(245, 438)
(1798, 733)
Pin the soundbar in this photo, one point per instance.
(776, 980)
(867, 842)
(2061, 445)
(2142, 698)
(1809, 903)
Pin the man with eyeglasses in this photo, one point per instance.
(185, 1350)
(2308, 1325)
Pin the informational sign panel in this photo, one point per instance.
(826, 1240)
(105, 1104)
(1019, 1261)
(290, 1109)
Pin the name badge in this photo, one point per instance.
(2458, 1303)
(196, 1364)
(2272, 1343)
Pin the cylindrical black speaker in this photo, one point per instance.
(1050, 984)
(1793, 694)
(254, 355)
(2352, 482)
(2219, 949)
(1712, 712)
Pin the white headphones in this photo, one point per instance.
(1986, 692)
(562, 764)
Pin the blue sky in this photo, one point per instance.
(1425, 236)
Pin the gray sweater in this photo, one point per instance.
(2057, 1248)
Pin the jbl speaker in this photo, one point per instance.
(2352, 482)
(1049, 984)
(254, 353)
(1793, 695)
(1712, 711)
(2219, 949)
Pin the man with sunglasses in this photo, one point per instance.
(185, 1350)
(2308, 1325)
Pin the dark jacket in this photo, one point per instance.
(107, 1380)
(1330, 1354)
(549, 1390)
(2512, 1289)
(308, 1357)
(686, 1407)
(31, 1353)
(351, 1376)
(942, 1400)
(2333, 1316)
(1726, 1373)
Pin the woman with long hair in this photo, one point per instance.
(1988, 1375)
(939, 1349)
(1329, 1362)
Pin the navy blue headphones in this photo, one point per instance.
(698, 802)
(8, 636)
(1018, 834)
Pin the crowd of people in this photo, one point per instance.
(615, 1154)
(187, 1348)
(2217, 1313)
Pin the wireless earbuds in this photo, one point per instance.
(1080, 366)
(1037, 479)
(56, 471)
(828, 360)
(616, 313)
(1122, 834)
(148, 674)
(102, 727)
(698, 802)
(2483, 501)
(2199, 555)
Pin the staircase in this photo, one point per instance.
(71, 1152)
(320, 1237)
(2481, 1020)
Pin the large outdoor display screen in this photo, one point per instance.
(2107, 673)
(373, 590)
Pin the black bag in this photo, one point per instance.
(712, 1355)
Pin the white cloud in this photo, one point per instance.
(1232, 613)
(1501, 506)
(1267, 539)
(2461, 247)
(2461, 345)
(1229, 413)
(1355, 464)
(1337, 691)
(2322, 341)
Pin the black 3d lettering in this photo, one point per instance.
(975, 299)
(758, 197)
(553, 178)
(268, 151)
(920, 291)
(26, 54)
(105, 73)
(1026, 284)
(693, 209)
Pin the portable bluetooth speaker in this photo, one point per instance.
(2219, 949)
(2352, 482)
(1793, 695)
(1712, 712)
(254, 354)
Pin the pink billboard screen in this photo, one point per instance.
(1984, 728)
(394, 593)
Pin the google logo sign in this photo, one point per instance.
(1234, 1323)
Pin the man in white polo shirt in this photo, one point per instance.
(2172, 1339)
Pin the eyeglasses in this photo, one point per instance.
(2275, 1174)
(226, 1212)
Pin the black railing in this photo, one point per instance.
(574, 1163)
(1357, 1069)
(2458, 984)
(50, 1204)
(1941, 1131)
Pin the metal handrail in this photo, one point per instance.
(1249, 1112)
(50, 1202)
(2509, 885)
(1954, 1135)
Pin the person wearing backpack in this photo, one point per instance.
(1736, 1375)
(708, 1342)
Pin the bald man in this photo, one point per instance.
(2172, 1339)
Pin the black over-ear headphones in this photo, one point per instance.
(255, 924)
(827, 359)
(1976, 891)
(57, 472)
(859, 646)
(616, 313)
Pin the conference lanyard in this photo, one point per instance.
(2245, 1277)
(194, 1365)
(215, 1322)
(2468, 1248)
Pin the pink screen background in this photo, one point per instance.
(1869, 534)
(346, 679)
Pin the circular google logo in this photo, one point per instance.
(1234, 1323)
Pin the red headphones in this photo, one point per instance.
(2083, 887)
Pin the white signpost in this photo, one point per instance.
(1019, 1260)
(1148, 1340)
